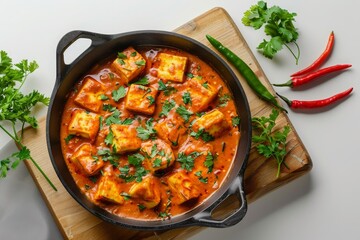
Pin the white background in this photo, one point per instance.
(321, 205)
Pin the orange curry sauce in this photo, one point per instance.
(149, 134)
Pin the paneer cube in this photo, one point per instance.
(171, 131)
(129, 64)
(213, 122)
(84, 124)
(159, 155)
(109, 190)
(201, 93)
(141, 99)
(172, 67)
(89, 95)
(125, 138)
(147, 191)
(84, 156)
(182, 187)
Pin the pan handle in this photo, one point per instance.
(66, 41)
(205, 219)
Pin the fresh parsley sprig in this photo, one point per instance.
(271, 143)
(15, 108)
(278, 24)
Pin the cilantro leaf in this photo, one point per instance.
(223, 100)
(186, 98)
(142, 81)
(16, 109)
(205, 136)
(114, 118)
(278, 24)
(209, 161)
(166, 108)
(235, 121)
(147, 132)
(151, 100)
(269, 143)
(187, 161)
(119, 93)
(184, 113)
(168, 90)
(136, 159)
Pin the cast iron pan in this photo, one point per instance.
(103, 46)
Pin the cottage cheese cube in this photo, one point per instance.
(129, 64)
(125, 138)
(201, 93)
(213, 122)
(84, 124)
(159, 155)
(147, 191)
(109, 190)
(84, 156)
(141, 99)
(171, 67)
(170, 130)
(88, 96)
(182, 187)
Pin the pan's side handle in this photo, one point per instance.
(66, 41)
(205, 218)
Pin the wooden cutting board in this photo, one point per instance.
(76, 223)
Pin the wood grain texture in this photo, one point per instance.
(260, 177)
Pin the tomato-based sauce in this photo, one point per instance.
(149, 133)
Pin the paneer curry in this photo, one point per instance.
(149, 133)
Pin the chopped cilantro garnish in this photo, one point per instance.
(147, 132)
(203, 135)
(168, 90)
(142, 81)
(235, 121)
(184, 113)
(151, 100)
(69, 137)
(186, 98)
(209, 161)
(187, 161)
(166, 108)
(119, 93)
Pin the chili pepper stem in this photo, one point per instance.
(286, 84)
(286, 100)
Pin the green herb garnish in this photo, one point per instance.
(166, 108)
(187, 161)
(168, 90)
(269, 143)
(15, 109)
(147, 132)
(279, 25)
(235, 121)
(184, 113)
(142, 81)
(202, 134)
(186, 98)
(119, 93)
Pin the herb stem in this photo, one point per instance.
(42, 172)
(9, 134)
(298, 52)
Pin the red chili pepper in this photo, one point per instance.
(320, 60)
(315, 103)
(297, 81)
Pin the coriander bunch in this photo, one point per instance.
(15, 108)
(269, 143)
(278, 24)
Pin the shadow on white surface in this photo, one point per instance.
(23, 212)
(261, 209)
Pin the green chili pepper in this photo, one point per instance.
(246, 72)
